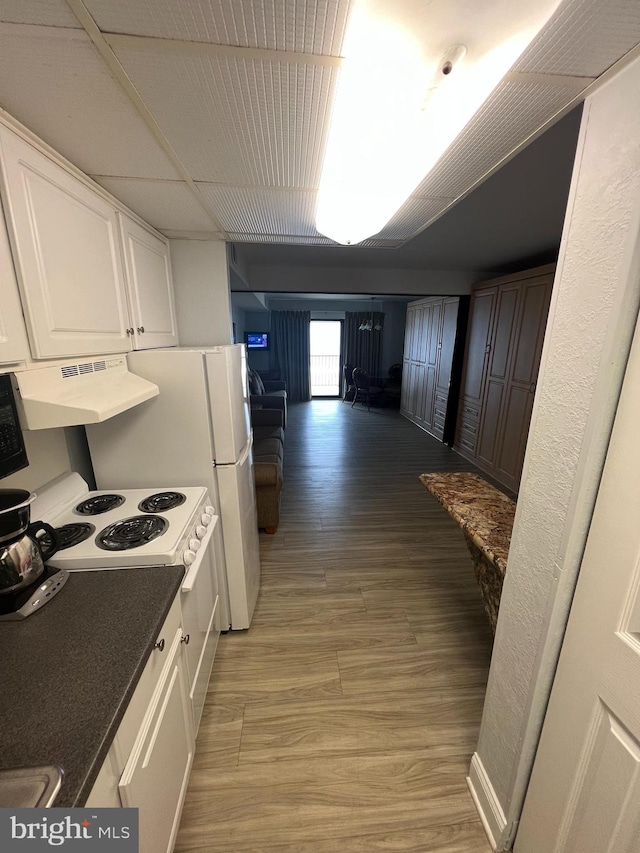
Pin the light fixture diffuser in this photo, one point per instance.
(413, 75)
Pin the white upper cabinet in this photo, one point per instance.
(148, 270)
(67, 256)
(14, 346)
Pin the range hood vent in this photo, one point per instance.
(85, 392)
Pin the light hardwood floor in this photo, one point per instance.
(345, 718)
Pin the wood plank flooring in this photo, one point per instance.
(345, 718)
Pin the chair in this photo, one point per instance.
(364, 390)
(393, 385)
(347, 380)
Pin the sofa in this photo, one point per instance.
(268, 422)
(268, 394)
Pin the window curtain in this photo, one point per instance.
(291, 351)
(363, 349)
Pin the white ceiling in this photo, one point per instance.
(209, 117)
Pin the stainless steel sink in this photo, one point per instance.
(29, 787)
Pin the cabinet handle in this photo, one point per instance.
(140, 330)
(186, 639)
(128, 332)
(159, 645)
(487, 348)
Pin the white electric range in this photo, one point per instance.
(134, 528)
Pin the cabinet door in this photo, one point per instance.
(497, 374)
(157, 772)
(478, 344)
(67, 256)
(150, 286)
(447, 344)
(13, 337)
(523, 377)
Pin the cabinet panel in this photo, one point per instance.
(535, 308)
(448, 340)
(67, 256)
(490, 420)
(503, 331)
(514, 435)
(14, 346)
(155, 778)
(482, 304)
(150, 286)
(433, 343)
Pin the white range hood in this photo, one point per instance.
(82, 392)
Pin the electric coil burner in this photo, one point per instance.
(98, 504)
(162, 502)
(72, 534)
(131, 532)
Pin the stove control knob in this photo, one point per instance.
(210, 510)
(201, 531)
(188, 557)
(206, 519)
(194, 544)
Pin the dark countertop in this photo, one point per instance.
(68, 671)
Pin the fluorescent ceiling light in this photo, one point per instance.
(414, 73)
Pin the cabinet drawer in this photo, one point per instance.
(469, 412)
(149, 681)
(466, 442)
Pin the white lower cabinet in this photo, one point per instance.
(150, 759)
(156, 775)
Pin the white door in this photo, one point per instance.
(13, 337)
(66, 250)
(148, 270)
(240, 533)
(229, 397)
(584, 795)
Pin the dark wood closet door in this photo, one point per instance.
(498, 367)
(532, 319)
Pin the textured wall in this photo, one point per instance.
(590, 326)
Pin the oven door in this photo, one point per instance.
(199, 599)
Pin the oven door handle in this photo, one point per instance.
(192, 572)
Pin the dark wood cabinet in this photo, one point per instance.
(507, 322)
(432, 339)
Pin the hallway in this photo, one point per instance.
(345, 718)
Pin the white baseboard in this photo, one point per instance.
(486, 802)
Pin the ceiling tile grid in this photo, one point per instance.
(584, 38)
(238, 237)
(254, 211)
(239, 122)
(304, 26)
(412, 216)
(167, 205)
(49, 13)
(54, 81)
(514, 112)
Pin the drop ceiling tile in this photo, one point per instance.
(48, 13)
(584, 38)
(240, 237)
(512, 114)
(54, 81)
(238, 122)
(412, 216)
(263, 211)
(167, 205)
(306, 26)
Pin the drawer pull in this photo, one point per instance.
(159, 645)
(185, 639)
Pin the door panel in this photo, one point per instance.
(488, 440)
(434, 334)
(512, 443)
(584, 793)
(503, 331)
(482, 304)
(448, 340)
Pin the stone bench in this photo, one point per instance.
(486, 518)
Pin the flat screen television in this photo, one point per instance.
(257, 340)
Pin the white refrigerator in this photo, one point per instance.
(196, 432)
